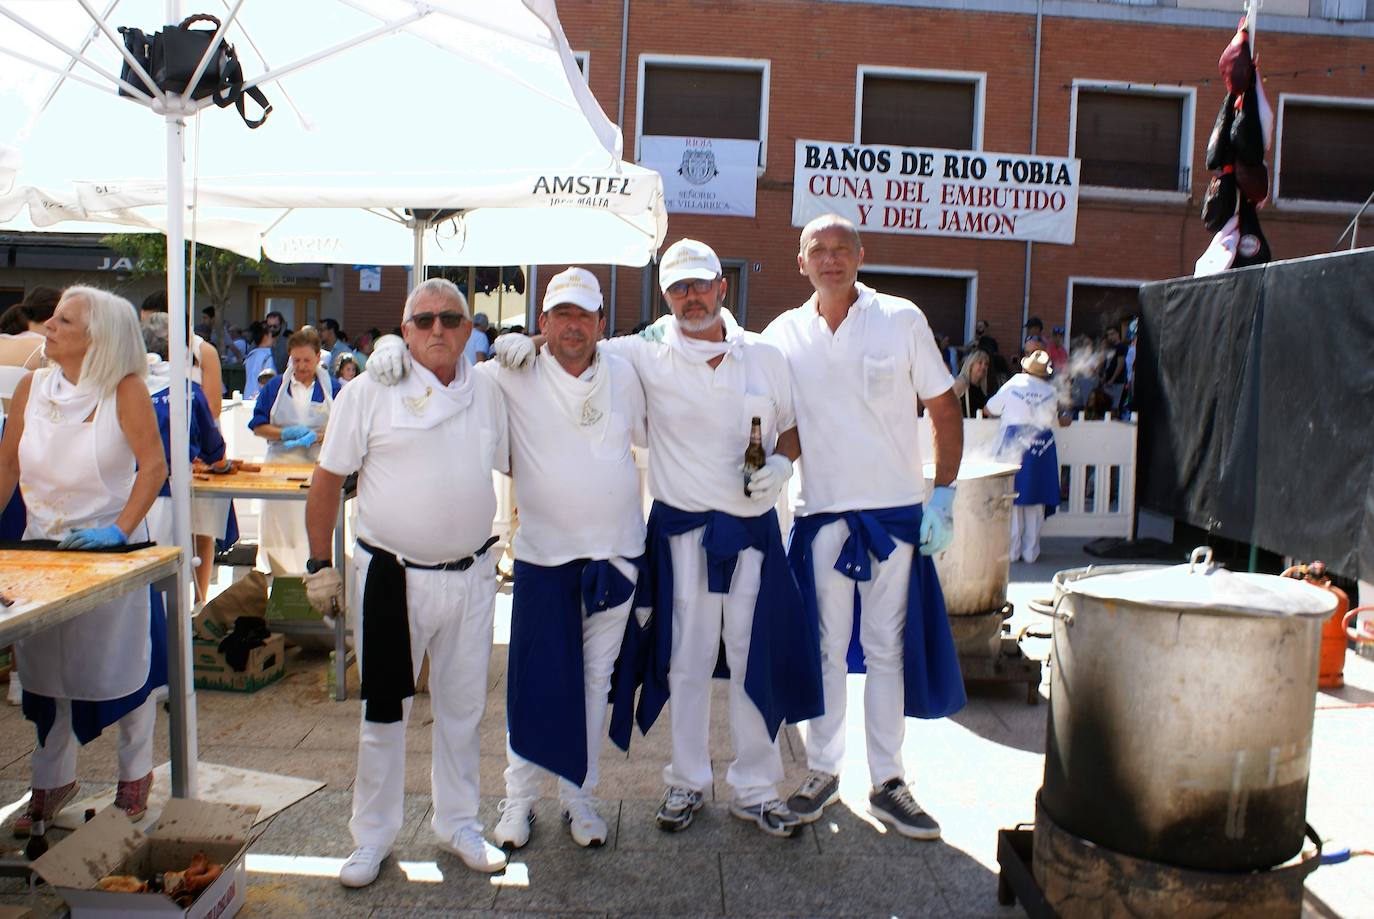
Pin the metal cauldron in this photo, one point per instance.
(974, 569)
(1181, 707)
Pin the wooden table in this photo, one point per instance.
(52, 587)
(290, 482)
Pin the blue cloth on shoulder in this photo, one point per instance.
(932, 684)
(1037, 481)
(90, 718)
(545, 683)
(783, 670)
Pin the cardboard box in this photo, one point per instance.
(289, 602)
(245, 597)
(210, 669)
(110, 844)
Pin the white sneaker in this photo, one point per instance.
(474, 851)
(362, 866)
(517, 819)
(584, 823)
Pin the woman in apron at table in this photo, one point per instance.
(291, 414)
(83, 447)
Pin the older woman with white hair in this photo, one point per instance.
(82, 445)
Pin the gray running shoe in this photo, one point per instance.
(678, 807)
(817, 792)
(772, 817)
(893, 804)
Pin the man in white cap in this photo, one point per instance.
(715, 567)
(424, 451)
(1029, 406)
(859, 361)
(572, 419)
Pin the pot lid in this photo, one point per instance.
(1203, 585)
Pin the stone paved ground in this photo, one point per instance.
(977, 772)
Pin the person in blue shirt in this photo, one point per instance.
(263, 338)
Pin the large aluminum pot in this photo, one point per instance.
(974, 568)
(1181, 706)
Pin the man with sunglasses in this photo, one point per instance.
(572, 419)
(715, 566)
(424, 451)
(865, 531)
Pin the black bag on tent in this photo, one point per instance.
(1219, 151)
(172, 55)
(1219, 204)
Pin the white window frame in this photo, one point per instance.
(971, 298)
(584, 60)
(762, 65)
(1185, 154)
(1307, 204)
(978, 78)
(1096, 282)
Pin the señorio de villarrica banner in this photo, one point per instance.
(928, 191)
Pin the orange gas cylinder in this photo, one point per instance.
(1331, 671)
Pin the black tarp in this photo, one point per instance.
(1255, 393)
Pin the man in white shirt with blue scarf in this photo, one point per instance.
(859, 361)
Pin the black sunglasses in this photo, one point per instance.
(700, 285)
(425, 321)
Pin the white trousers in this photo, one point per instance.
(883, 599)
(54, 763)
(1026, 521)
(700, 620)
(601, 637)
(450, 617)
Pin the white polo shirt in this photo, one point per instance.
(1025, 399)
(423, 494)
(856, 391)
(576, 484)
(699, 418)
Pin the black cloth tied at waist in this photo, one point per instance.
(388, 677)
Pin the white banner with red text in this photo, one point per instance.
(934, 192)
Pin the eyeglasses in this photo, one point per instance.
(697, 285)
(425, 321)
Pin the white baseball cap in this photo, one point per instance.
(577, 286)
(687, 259)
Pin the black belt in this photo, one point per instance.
(461, 564)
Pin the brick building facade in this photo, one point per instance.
(1128, 64)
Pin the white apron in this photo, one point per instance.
(282, 523)
(76, 475)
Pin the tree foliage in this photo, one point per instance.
(216, 269)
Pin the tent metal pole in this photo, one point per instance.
(417, 273)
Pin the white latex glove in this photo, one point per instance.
(768, 481)
(514, 351)
(656, 331)
(324, 590)
(389, 361)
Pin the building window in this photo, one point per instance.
(1134, 138)
(947, 300)
(1326, 149)
(919, 108)
(1096, 306)
(584, 61)
(704, 97)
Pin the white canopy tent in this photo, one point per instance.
(382, 108)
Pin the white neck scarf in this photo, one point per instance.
(586, 400)
(729, 373)
(421, 402)
(159, 375)
(66, 403)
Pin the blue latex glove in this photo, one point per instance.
(304, 440)
(937, 520)
(96, 538)
(293, 432)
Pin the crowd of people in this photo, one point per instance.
(606, 604)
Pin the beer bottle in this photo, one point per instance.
(754, 457)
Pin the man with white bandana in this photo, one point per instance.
(859, 361)
(715, 566)
(424, 451)
(572, 419)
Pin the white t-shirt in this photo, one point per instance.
(1025, 399)
(425, 495)
(856, 391)
(699, 418)
(576, 485)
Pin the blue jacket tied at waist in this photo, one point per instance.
(933, 685)
(545, 711)
(783, 671)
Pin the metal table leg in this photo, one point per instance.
(180, 687)
(341, 620)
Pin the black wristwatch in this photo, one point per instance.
(313, 565)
